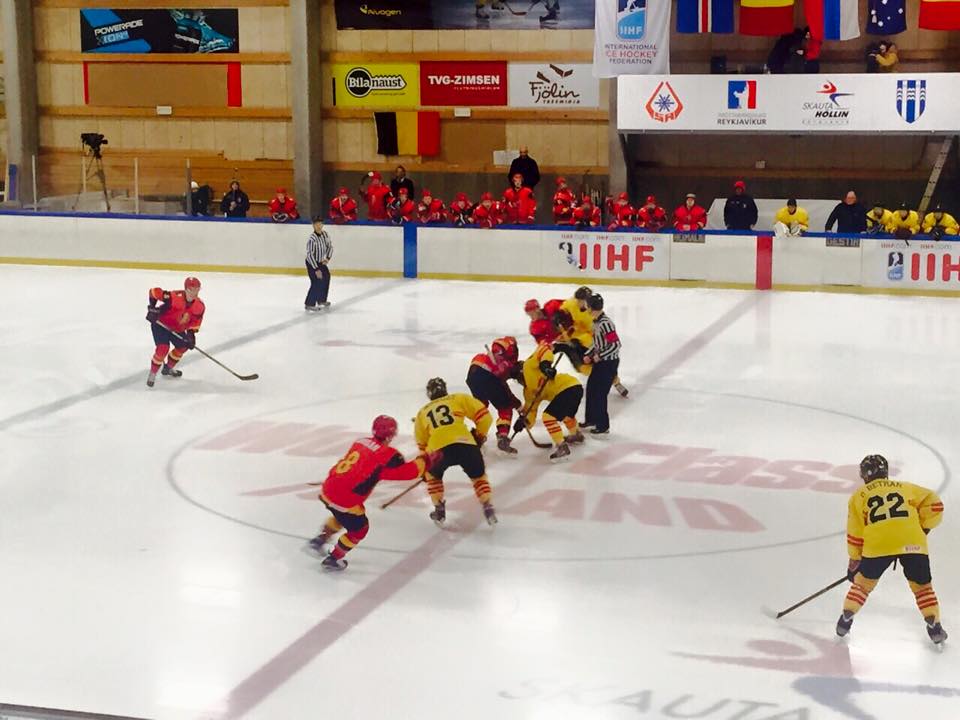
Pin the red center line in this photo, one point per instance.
(288, 662)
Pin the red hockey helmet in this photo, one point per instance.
(623, 196)
(191, 282)
(384, 427)
(427, 193)
(651, 199)
(486, 196)
(541, 329)
(374, 175)
(561, 181)
(343, 191)
(281, 191)
(462, 197)
(531, 305)
(506, 346)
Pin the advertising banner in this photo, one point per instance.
(159, 31)
(464, 14)
(923, 264)
(552, 85)
(854, 103)
(632, 37)
(463, 83)
(386, 85)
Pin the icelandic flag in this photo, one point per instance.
(940, 14)
(911, 99)
(705, 16)
(833, 19)
(886, 17)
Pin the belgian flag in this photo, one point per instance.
(408, 133)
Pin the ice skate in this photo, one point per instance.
(936, 632)
(151, 379)
(316, 544)
(332, 564)
(171, 372)
(622, 389)
(576, 438)
(490, 514)
(439, 514)
(504, 446)
(324, 305)
(599, 434)
(844, 623)
(562, 451)
(482, 13)
(313, 308)
(553, 13)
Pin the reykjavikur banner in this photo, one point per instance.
(632, 37)
(104, 30)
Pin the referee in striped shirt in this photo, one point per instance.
(319, 252)
(605, 358)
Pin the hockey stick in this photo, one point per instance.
(390, 502)
(207, 355)
(533, 404)
(817, 594)
(521, 12)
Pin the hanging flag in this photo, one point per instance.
(631, 37)
(705, 16)
(940, 14)
(833, 19)
(766, 17)
(886, 17)
(408, 133)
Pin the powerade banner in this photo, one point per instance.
(464, 14)
(104, 30)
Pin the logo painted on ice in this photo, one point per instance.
(664, 105)
(631, 19)
(911, 99)
(895, 266)
(742, 95)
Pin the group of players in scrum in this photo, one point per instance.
(887, 520)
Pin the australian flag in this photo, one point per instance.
(911, 99)
(705, 16)
(886, 17)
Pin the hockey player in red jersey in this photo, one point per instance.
(376, 195)
(587, 215)
(544, 321)
(431, 209)
(461, 211)
(563, 202)
(510, 204)
(402, 209)
(350, 482)
(651, 216)
(690, 217)
(487, 380)
(622, 213)
(488, 213)
(180, 312)
(343, 208)
(526, 206)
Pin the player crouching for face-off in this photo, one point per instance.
(440, 427)
(175, 322)
(350, 482)
(487, 380)
(888, 521)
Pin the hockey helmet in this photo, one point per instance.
(506, 347)
(436, 388)
(343, 191)
(374, 175)
(623, 196)
(486, 196)
(583, 293)
(651, 199)
(403, 191)
(561, 181)
(427, 193)
(531, 305)
(384, 427)
(873, 467)
(191, 283)
(595, 302)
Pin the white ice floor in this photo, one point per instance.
(150, 541)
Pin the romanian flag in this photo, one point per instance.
(766, 17)
(408, 133)
(940, 14)
(705, 16)
(833, 19)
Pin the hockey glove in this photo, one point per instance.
(520, 424)
(852, 568)
(152, 314)
(190, 339)
(548, 370)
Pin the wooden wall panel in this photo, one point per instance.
(266, 86)
(471, 142)
(149, 85)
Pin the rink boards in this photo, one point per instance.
(711, 258)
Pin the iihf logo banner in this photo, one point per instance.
(632, 37)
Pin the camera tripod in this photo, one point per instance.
(93, 170)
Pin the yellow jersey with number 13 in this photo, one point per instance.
(441, 422)
(886, 517)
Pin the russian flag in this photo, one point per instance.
(833, 19)
(766, 17)
(705, 16)
(940, 14)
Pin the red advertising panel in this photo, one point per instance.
(463, 83)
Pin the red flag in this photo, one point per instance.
(940, 14)
(766, 17)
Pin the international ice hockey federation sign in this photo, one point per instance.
(632, 37)
(911, 99)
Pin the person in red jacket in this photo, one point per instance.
(690, 217)
(343, 208)
(461, 210)
(651, 216)
(350, 482)
(488, 213)
(176, 323)
(431, 209)
(376, 195)
(563, 202)
(526, 207)
(283, 207)
(402, 209)
(622, 213)
(510, 205)
(587, 215)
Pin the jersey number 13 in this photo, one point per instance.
(440, 415)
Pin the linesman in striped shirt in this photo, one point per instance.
(604, 355)
(319, 252)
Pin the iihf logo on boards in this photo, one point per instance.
(631, 19)
(895, 266)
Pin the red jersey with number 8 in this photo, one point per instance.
(367, 462)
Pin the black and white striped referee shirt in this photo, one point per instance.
(319, 248)
(606, 342)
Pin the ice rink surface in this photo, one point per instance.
(151, 540)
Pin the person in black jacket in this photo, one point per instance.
(400, 180)
(849, 215)
(527, 167)
(235, 203)
(740, 212)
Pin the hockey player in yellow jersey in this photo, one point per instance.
(888, 521)
(563, 394)
(578, 335)
(440, 427)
